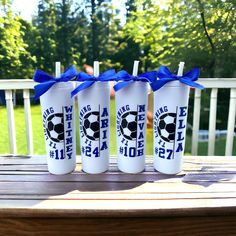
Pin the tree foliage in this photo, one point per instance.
(156, 32)
(15, 59)
(44, 43)
(201, 32)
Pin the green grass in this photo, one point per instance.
(203, 146)
(39, 145)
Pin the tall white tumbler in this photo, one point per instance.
(131, 117)
(59, 127)
(169, 125)
(94, 118)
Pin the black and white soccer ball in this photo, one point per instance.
(55, 127)
(91, 125)
(166, 127)
(128, 126)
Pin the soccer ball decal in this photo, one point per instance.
(91, 125)
(128, 125)
(166, 127)
(55, 127)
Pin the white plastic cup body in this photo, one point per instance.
(131, 117)
(59, 128)
(94, 117)
(169, 126)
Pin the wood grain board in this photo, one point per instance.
(201, 199)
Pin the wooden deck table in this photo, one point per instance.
(199, 201)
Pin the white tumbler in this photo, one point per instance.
(169, 126)
(94, 117)
(131, 117)
(59, 128)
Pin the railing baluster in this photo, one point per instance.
(196, 121)
(28, 122)
(231, 123)
(11, 121)
(212, 122)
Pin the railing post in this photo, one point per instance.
(212, 122)
(231, 123)
(28, 121)
(11, 121)
(196, 121)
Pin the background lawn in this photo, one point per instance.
(39, 146)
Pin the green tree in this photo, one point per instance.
(127, 49)
(15, 59)
(64, 32)
(103, 31)
(80, 36)
(61, 34)
(45, 35)
(200, 32)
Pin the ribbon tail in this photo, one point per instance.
(40, 89)
(123, 75)
(149, 76)
(191, 83)
(41, 77)
(192, 74)
(122, 84)
(81, 87)
(164, 72)
(160, 83)
(84, 76)
(69, 74)
(107, 75)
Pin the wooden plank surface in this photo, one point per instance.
(175, 226)
(115, 203)
(204, 182)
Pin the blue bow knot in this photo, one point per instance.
(46, 81)
(89, 80)
(166, 76)
(124, 78)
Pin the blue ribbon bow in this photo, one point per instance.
(165, 76)
(125, 78)
(47, 81)
(89, 80)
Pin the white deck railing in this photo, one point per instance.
(215, 84)
(10, 85)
